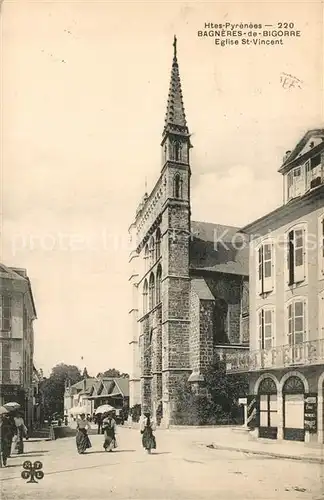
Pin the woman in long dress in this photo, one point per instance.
(82, 438)
(21, 432)
(147, 428)
(109, 428)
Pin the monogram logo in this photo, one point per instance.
(32, 471)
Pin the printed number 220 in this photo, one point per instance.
(285, 25)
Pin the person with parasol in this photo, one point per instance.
(109, 427)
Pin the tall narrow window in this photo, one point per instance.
(6, 313)
(152, 292)
(158, 243)
(152, 251)
(146, 258)
(296, 256)
(158, 285)
(296, 322)
(265, 268)
(308, 175)
(266, 327)
(145, 297)
(177, 186)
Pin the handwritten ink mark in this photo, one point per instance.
(288, 81)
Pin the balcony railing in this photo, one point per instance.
(10, 377)
(304, 354)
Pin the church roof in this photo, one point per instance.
(218, 248)
(175, 118)
(200, 287)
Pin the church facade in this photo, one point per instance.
(189, 279)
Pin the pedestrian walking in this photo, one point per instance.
(99, 422)
(20, 434)
(147, 428)
(82, 438)
(7, 430)
(109, 427)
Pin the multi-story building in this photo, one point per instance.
(286, 358)
(189, 280)
(17, 313)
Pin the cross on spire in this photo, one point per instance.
(175, 47)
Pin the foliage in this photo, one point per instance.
(216, 402)
(135, 412)
(113, 373)
(54, 386)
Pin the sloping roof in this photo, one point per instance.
(8, 273)
(88, 384)
(317, 132)
(123, 384)
(219, 248)
(200, 287)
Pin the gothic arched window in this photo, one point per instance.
(145, 294)
(158, 284)
(152, 251)
(151, 291)
(177, 186)
(158, 243)
(146, 258)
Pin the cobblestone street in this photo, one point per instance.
(180, 469)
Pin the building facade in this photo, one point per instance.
(85, 396)
(17, 314)
(188, 280)
(286, 358)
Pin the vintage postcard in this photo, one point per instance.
(162, 250)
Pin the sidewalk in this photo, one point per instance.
(240, 439)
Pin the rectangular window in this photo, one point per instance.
(296, 256)
(5, 313)
(308, 175)
(266, 325)
(265, 268)
(296, 323)
(295, 183)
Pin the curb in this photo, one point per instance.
(316, 460)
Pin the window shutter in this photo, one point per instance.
(299, 255)
(260, 270)
(321, 316)
(268, 271)
(291, 258)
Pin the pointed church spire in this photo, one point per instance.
(175, 119)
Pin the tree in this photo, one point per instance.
(113, 373)
(225, 389)
(85, 373)
(218, 403)
(54, 387)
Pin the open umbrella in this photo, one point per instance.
(12, 406)
(104, 409)
(3, 410)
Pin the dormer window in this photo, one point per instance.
(295, 183)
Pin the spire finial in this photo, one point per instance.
(175, 46)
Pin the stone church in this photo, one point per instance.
(189, 279)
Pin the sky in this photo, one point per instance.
(84, 91)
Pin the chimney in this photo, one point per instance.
(287, 153)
